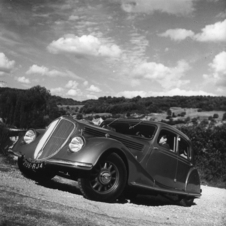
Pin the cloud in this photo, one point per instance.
(172, 92)
(176, 7)
(23, 80)
(210, 33)
(86, 44)
(218, 68)
(177, 34)
(2, 84)
(89, 96)
(167, 77)
(57, 90)
(73, 92)
(219, 63)
(71, 84)
(6, 65)
(93, 88)
(131, 94)
(44, 71)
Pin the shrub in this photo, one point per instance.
(215, 116)
(4, 137)
(224, 116)
(209, 146)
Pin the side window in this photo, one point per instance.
(183, 148)
(167, 140)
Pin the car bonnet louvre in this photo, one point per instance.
(128, 143)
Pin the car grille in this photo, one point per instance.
(56, 139)
(128, 143)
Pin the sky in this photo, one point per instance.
(86, 49)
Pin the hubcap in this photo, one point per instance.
(105, 178)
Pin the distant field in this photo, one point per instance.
(205, 114)
(190, 112)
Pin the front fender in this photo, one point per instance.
(93, 149)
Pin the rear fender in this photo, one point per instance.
(192, 183)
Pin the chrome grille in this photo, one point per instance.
(57, 138)
(127, 142)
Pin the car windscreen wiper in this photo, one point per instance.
(133, 126)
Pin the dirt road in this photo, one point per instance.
(59, 202)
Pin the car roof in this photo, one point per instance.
(158, 124)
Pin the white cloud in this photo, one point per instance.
(213, 33)
(218, 67)
(167, 77)
(71, 84)
(177, 34)
(89, 96)
(56, 91)
(85, 83)
(6, 65)
(180, 92)
(2, 84)
(93, 88)
(172, 92)
(219, 63)
(73, 92)
(86, 44)
(44, 71)
(131, 94)
(23, 80)
(210, 33)
(177, 7)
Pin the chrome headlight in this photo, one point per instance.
(76, 144)
(29, 136)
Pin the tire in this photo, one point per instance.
(107, 181)
(41, 175)
(186, 201)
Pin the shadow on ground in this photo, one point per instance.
(71, 186)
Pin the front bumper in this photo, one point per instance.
(57, 162)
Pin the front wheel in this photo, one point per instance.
(107, 181)
(186, 201)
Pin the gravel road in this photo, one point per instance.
(59, 202)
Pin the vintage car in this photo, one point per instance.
(119, 158)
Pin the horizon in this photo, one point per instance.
(89, 49)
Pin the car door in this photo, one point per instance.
(162, 162)
(184, 162)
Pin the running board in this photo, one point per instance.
(164, 190)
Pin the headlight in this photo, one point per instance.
(29, 136)
(76, 144)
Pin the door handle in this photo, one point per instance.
(155, 148)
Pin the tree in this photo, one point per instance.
(224, 116)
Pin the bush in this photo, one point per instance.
(215, 116)
(4, 137)
(224, 116)
(209, 146)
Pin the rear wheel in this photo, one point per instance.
(107, 181)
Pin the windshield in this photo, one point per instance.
(135, 129)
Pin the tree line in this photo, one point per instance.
(36, 107)
(32, 108)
